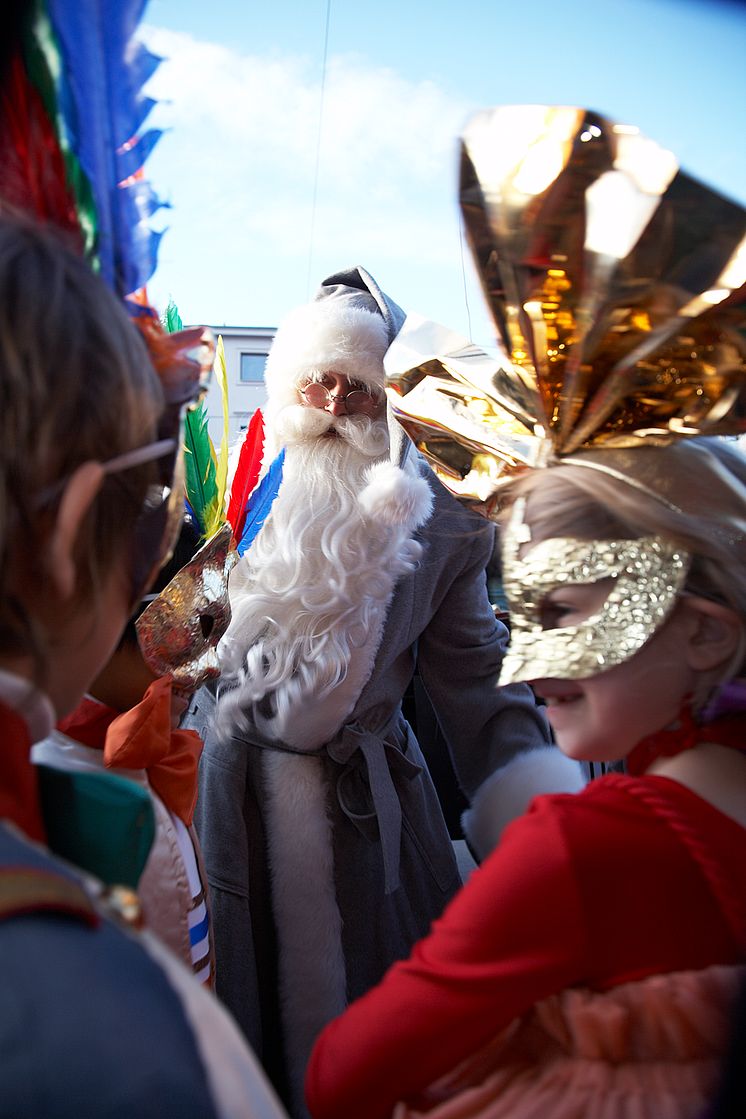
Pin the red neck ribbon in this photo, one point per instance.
(728, 730)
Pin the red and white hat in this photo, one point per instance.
(347, 328)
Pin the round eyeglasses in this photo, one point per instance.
(357, 400)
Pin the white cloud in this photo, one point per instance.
(238, 164)
(371, 115)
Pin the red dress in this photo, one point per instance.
(587, 892)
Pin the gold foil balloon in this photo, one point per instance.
(617, 286)
(443, 390)
(615, 280)
(179, 631)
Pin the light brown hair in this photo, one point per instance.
(76, 384)
(701, 507)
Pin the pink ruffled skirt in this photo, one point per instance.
(652, 1049)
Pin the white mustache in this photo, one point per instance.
(297, 425)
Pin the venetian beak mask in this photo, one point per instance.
(179, 631)
(617, 287)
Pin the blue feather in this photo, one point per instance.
(103, 107)
(260, 503)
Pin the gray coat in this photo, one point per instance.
(338, 922)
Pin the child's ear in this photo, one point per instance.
(77, 497)
(713, 632)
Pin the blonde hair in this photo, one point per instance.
(76, 384)
(698, 502)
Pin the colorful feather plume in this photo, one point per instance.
(71, 154)
(250, 503)
(205, 475)
(201, 471)
(71, 151)
(246, 474)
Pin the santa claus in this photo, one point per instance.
(323, 836)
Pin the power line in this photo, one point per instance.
(318, 149)
(463, 277)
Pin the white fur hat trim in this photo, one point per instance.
(329, 334)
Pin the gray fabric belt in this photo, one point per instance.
(365, 788)
(370, 762)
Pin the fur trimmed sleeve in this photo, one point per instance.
(507, 793)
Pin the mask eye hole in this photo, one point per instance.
(551, 614)
(206, 625)
(574, 603)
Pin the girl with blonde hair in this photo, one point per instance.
(588, 967)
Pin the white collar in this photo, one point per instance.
(26, 700)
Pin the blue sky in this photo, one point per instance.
(247, 148)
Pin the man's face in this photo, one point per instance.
(333, 411)
(336, 394)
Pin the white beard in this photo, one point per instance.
(310, 596)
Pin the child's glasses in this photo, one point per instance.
(157, 524)
(184, 378)
(183, 361)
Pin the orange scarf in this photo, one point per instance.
(142, 738)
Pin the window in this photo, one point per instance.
(252, 369)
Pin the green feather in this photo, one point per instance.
(172, 319)
(201, 468)
(205, 480)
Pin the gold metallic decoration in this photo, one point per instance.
(648, 574)
(615, 280)
(617, 284)
(179, 631)
(440, 388)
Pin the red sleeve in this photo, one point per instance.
(513, 935)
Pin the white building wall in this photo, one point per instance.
(244, 396)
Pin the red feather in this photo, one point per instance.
(247, 473)
(32, 169)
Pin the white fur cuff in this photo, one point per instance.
(507, 792)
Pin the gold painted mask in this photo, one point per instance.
(179, 631)
(648, 575)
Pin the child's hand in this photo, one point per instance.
(179, 704)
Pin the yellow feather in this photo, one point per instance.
(214, 516)
(222, 473)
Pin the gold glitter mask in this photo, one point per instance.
(648, 575)
(179, 631)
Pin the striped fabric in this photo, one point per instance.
(199, 917)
